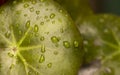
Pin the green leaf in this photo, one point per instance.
(36, 38)
(77, 8)
(101, 35)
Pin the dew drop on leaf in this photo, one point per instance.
(60, 10)
(27, 24)
(49, 65)
(37, 12)
(10, 54)
(42, 38)
(31, 9)
(42, 59)
(43, 48)
(7, 34)
(55, 53)
(42, 23)
(66, 44)
(20, 32)
(52, 15)
(54, 39)
(76, 44)
(26, 5)
(33, 2)
(36, 28)
(12, 66)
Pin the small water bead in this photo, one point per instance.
(52, 15)
(12, 66)
(42, 23)
(14, 2)
(46, 17)
(42, 59)
(36, 34)
(34, 2)
(66, 44)
(43, 48)
(76, 44)
(25, 15)
(18, 12)
(26, 5)
(53, 22)
(10, 54)
(37, 12)
(32, 9)
(42, 38)
(60, 10)
(55, 53)
(7, 34)
(49, 65)
(17, 25)
(54, 39)
(36, 28)
(20, 32)
(27, 24)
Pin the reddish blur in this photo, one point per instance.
(2, 2)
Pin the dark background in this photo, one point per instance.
(106, 6)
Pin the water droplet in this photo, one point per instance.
(36, 28)
(17, 25)
(26, 5)
(52, 15)
(49, 65)
(18, 12)
(27, 24)
(46, 17)
(14, 2)
(42, 59)
(56, 53)
(12, 66)
(33, 2)
(25, 15)
(10, 54)
(37, 12)
(76, 44)
(42, 23)
(60, 10)
(20, 32)
(54, 39)
(7, 34)
(43, 48)
(31, 9)
(36, 34)
(66, 44)
(42, 38)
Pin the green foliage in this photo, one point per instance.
(101, 35)
(37, 37)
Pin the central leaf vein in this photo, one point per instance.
(24, 36)
(27, 65)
